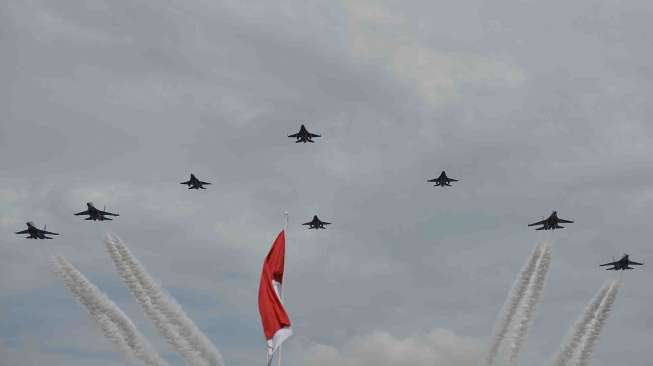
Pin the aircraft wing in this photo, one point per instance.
(565, 221)
(608, 264)
(326, 223)
(48, 232)
(453, 180)
(308, 223)
(294, 135)
(538, 223)
(82, 213)
(635, 263)
(23, 232)
(432, 180)
(204, 182)
(108, 213)
(313, 135)
(186, 182)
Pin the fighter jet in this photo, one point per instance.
(442, 180)
(95, 214)
(36, 233)
(303, 135)
(316, 223)
(194, 183)
(551, 223)
(622, 264)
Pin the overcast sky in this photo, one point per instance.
(534, 105)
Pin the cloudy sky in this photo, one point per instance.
(534, 106)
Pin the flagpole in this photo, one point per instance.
(283, 285)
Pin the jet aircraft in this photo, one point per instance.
(442, 180)
(36, 233)
(194, 183)
(551, 223)
(95, 214)
(316, 223)
(303, 135)
(622, 264)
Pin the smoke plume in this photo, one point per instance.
(511, 306)
(577, 332)
(596, 325)
(167, 315)
(526, 310)
(166, 329)
(113, 322)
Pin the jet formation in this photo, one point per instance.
(36, 233)
(303, 135)
(194, 183)
(316, 223)
(622, 264)
(551, 223)
(442, 180)
(96, 214)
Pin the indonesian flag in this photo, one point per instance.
(274, 318)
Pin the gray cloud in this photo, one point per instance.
(437, 347)
(534, 106)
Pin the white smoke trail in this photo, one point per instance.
(578, 331)
(596, 326)
(113, 322)
(527, 307)
(172, 311)
(511, 306)
(167, 330)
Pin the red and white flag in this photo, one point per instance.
(276, 324)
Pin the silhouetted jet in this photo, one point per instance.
(36, 233)
(194, 183)
(95, 214)
(316, 223)
(442, 180)
(303, 135)
(622, 264)
(551, 222)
